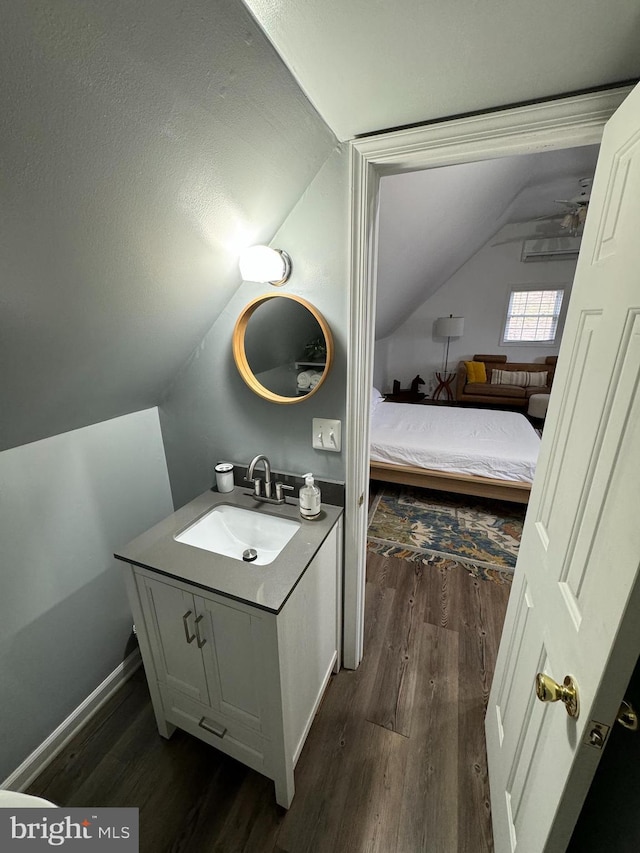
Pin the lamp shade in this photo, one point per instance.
(450, 327)
(264, 264)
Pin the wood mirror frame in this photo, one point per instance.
(240, 355)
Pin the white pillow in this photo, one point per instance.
(523, 378)
(509, 377)
(376, 399)
(537, 378)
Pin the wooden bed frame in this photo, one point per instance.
(464, 484)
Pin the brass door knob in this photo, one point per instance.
(548, 690)
(627, 716)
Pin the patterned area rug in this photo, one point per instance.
(480, 534)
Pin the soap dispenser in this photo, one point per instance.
(309, 498)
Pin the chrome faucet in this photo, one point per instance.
(257, 489)
(256, 480)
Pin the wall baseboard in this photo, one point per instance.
(44, 754)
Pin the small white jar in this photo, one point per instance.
(224, 476)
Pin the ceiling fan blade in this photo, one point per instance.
(534, 236)
(550, 217)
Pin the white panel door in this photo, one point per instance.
(576, 582)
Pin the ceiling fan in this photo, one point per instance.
(573, 218)
(565, 223)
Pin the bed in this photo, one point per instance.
(480, 452)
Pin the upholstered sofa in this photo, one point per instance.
(504, 393)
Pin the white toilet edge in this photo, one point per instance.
(16, 800)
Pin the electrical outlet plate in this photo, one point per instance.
(327, 434)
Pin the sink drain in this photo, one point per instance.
(250, 555)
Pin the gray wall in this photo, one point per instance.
(210, 414)
(66, 503)
(144, 144)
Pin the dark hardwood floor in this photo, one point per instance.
(395, 760)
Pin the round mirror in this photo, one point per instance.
(282, 347)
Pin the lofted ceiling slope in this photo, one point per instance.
(433, 221)
(374, 66)
(141, 146)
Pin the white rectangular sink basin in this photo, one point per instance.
(233, 531)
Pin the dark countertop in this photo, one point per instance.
(266, 587)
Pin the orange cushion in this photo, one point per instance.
(476, 371)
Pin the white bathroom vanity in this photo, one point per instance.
(235, 653)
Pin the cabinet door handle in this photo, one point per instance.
(201, 641)
(218, 731)
(191, 638)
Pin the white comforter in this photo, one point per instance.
(500, 445)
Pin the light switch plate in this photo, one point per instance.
(327, 434)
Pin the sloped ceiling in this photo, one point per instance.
(371, 66)
(433, 221)
(142, 144)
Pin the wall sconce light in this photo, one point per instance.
(263, 264)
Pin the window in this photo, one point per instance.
(532, 316)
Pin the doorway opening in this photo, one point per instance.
(566, 123)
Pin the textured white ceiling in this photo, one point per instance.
(141, 147)
(369, 66)
(432, 222)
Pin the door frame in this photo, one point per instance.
(562, 123)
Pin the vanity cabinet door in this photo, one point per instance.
(170, 614)
(232, 655)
